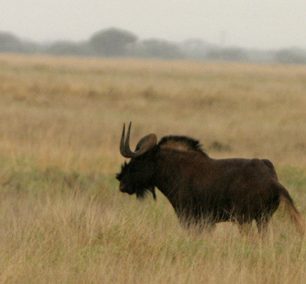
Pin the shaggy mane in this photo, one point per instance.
(181, 143)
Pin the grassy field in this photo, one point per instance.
(62, 217)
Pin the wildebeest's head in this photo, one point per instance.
(136, 176)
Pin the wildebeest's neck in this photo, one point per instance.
(173, 172)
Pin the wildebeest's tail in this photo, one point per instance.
(295, 215)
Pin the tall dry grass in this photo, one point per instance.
(62, 218)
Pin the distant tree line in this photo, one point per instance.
(114, 42)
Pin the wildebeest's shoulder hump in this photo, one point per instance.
(180, 143)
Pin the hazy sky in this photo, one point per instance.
(248, 23)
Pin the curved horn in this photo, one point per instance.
(127, 141)
(145, 144)
(122, 150)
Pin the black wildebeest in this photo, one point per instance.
(202, 190)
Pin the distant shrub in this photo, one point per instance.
(10, 43)
(112, 42)
(291, 56)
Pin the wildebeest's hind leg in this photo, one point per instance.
(210, 227)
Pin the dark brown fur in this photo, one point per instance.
(205, 191)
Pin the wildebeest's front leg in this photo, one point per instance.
(262, 224)
(245, 227)
(197, 225)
